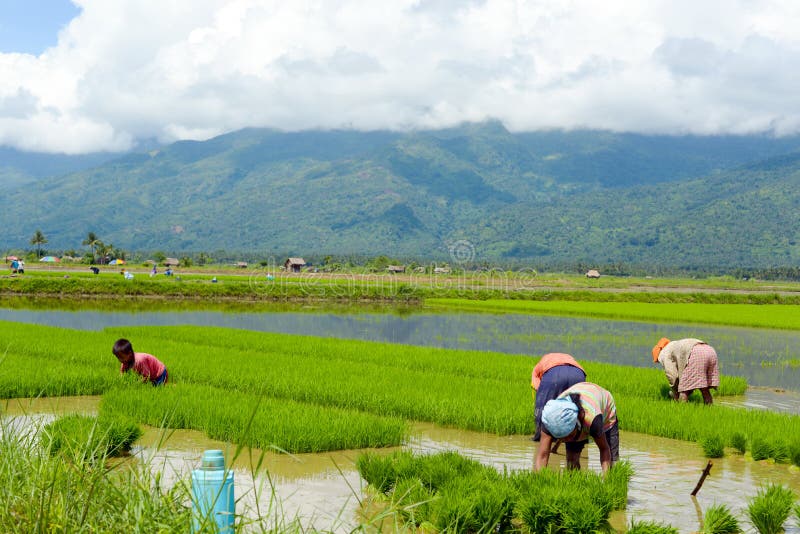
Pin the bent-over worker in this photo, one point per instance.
(689, 364)
(582, 411)
(553, 374)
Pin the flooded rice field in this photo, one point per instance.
(324, 490)
(766, 358)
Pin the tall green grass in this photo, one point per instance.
(83, 493)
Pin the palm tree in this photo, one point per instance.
(38, 239)
(91, 240)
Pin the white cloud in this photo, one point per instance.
(133, 69)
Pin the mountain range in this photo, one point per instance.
(470, 193)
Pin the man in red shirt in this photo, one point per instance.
(146, 365)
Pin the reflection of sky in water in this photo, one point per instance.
(756, 354)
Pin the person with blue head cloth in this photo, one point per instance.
(582, 411)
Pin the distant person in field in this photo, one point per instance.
(584, 410)
(553, 374)
(689, 364)
(146, 365)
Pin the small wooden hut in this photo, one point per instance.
(294, 265)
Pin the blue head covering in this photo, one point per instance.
(559, 417)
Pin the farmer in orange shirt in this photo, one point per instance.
(554, 373)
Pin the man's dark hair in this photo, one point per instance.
(122, 346)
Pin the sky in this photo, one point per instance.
(101, 75)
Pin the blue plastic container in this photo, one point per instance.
(212, 493)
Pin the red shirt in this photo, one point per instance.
(146, 365)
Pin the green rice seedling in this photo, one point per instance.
(688, 421)
(76, 435)
(253, 420)
(739, 442)
(718, 519)
(770, 508)
(751, 315)
(713, 446)
(378, 470)
(760, 448)
(473, 503)
(650, 527)
(616, 484)
(794, 452)
(780, 452)
(412, 499)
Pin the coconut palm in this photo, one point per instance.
(91, 240)
(38, 239)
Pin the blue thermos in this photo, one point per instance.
(212, 494)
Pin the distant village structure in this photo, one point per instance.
(294, 265)
(171, 262)
(396, 269)
(591, 273)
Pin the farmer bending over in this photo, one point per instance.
(581, 411)
(553, 374)
(689, 364)
(146, 365)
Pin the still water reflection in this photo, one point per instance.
(767, 358)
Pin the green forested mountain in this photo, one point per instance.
(550, 196)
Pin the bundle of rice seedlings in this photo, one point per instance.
(770, 508)
(87, 437)
(719, 520)
(760, 449)
(713, 446)
(650, 527)
(739, 442)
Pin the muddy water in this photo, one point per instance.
(324, 490)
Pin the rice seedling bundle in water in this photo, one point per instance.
(650, 527)
(739, 442)
(718, 519)
(91, 437)
(460, 495)
(770, 508)
(713, 446)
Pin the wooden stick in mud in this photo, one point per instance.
(706, 471)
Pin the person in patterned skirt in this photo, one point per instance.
(689, 364)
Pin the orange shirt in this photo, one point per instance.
(549, 361)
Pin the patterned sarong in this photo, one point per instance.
(701, 370)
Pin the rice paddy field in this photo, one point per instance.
(330, 413)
